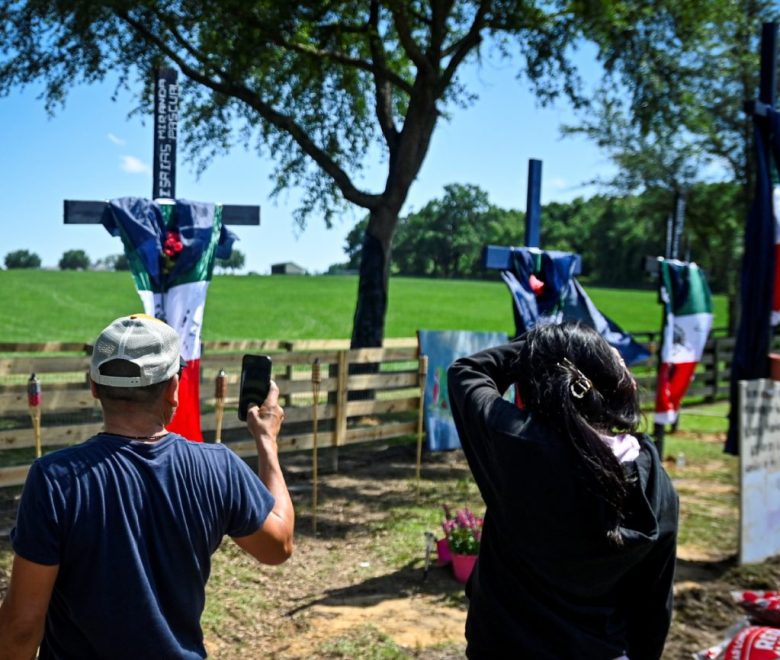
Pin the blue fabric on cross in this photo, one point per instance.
(754, 335)
(142, 222)
(563, 299)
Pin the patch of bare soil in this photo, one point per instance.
(343, 579)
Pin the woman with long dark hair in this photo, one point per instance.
(578, 545)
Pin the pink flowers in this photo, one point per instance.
(463, 531)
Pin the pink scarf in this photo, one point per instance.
(625, 447)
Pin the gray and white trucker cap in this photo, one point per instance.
(145, 341)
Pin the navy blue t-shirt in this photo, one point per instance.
(133, 526)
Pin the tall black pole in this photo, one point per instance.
(533, 204)
(768, 82)
(166, 123)
(678, 224)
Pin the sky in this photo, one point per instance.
(92, 150)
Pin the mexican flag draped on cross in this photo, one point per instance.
(687, 302)
(171, 250)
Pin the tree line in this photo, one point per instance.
(612, 233)
(79, 260)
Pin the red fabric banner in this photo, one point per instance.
(673, 381)
(186, 419)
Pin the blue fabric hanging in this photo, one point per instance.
(142, 225)
(562, 299)
(754, 335)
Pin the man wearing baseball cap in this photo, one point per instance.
(114, 537)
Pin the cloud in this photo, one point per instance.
(116, 140)
(558, 183)
(134, 165)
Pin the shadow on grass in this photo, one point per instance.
(704, 571)
(409, 580)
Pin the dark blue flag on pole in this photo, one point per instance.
(754, 335)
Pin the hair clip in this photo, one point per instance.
(582, 384)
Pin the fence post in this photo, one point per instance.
(288, 371)
(341, 405)
(715, 368)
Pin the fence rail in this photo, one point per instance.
(71, 415)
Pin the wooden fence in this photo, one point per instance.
(71, 415)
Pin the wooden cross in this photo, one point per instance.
(496, 257)
(166, 120)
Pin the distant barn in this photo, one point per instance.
(287, 268)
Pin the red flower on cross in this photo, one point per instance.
(171, 248)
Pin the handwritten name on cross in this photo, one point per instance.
(166, 120)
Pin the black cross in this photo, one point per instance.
(166, 119)
(500, 258)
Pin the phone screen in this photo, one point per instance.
(255, 382)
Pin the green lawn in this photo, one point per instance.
(75, 306)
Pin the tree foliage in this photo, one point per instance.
(22, 259)
(74, 260)
(234, 262)
(320, 87)
(117, 262)
(121, 262)
(612, 233)
(445, 238)
(704, 135)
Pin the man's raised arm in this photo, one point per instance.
(273, 542)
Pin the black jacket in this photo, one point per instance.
(548, 585)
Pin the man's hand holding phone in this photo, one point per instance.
(265, 420)
(273, 542)
(258, 403)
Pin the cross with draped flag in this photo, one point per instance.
(760, 280)
(688, 317)
(687, 320)
(171, 245)
(543, 283)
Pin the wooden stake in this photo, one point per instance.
(423, 373)
(220, 391)
(315, 390)
(34, 403)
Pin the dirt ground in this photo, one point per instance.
(343, 594)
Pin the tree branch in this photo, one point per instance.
(372, 67)
(407, 40)
(281, 121)
(378, 71)
(383, 95)
(172, 27)
(463, 47)
(440, 10)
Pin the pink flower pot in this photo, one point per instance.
(462, 565)
(443, 554)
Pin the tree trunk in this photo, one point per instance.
(368, 327)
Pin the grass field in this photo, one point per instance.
(74, 306)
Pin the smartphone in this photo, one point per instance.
(255, 382)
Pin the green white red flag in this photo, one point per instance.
(171, 250)
(688, 318)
